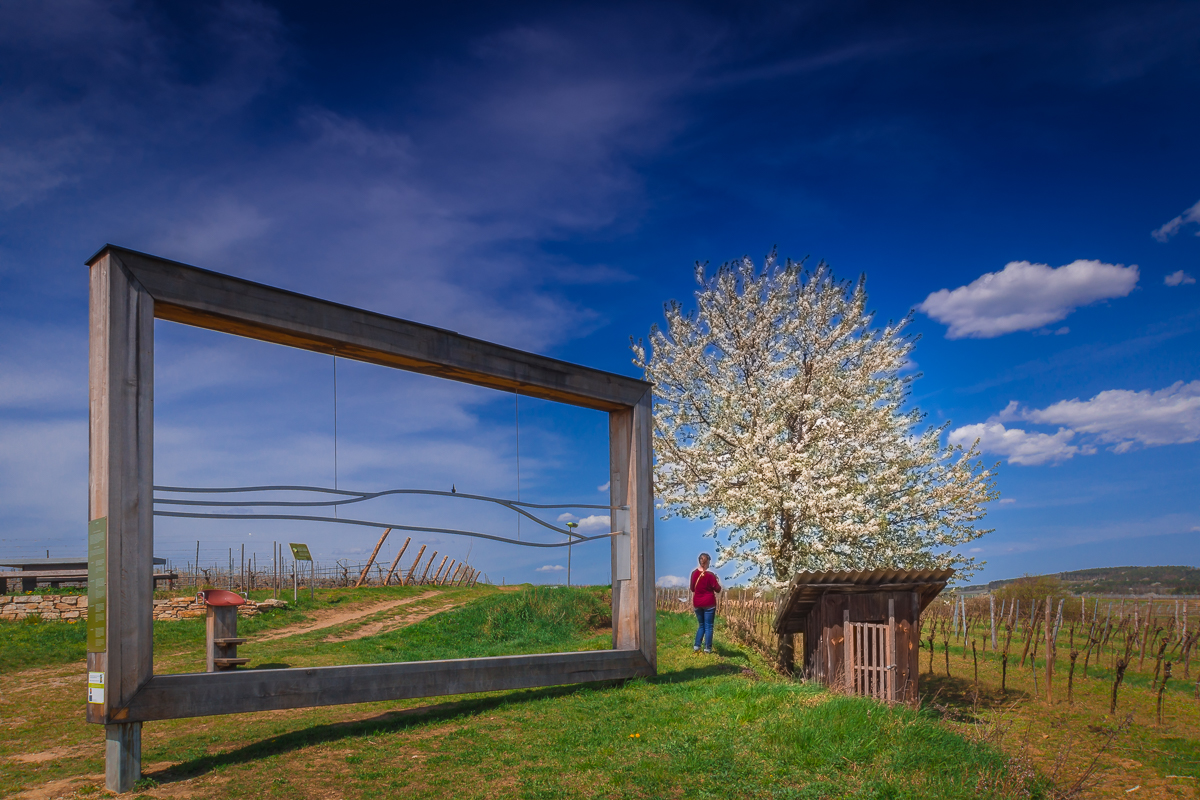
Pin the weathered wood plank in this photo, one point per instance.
(641, 505)
(121, 369)
(624, 601)
(120, 492)
(205, 694)
(218, 302)
(631, 464)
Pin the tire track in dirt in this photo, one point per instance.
(327, 618)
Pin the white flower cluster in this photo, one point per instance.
(779, 414)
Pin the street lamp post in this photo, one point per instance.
(570, 541)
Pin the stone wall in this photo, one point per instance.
(74, 607)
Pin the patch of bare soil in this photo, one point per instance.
(57, 753)
(40, 678)
(389, 624)
(53, 790)
(328, 617)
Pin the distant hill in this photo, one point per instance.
(1120, 580)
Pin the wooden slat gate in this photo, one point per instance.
(870, 657)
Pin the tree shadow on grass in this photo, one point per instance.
(709, 670)
(951, 693)
(405, 718)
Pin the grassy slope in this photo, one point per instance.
(717, 726)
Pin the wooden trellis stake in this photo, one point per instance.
(388, 580)
(413, 569)
(363, 576)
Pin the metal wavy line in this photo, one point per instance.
(356, 497)
(394, 526)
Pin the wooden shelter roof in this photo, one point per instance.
(806, 588)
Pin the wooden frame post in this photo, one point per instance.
(120, 508)
(631, 485)
(128, 291)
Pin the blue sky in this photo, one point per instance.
(545, 175)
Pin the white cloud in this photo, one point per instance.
(671, 581)
(595, 523)
(1169, 229)
(604, 486)
(975, 550)
(1126, 418)
(1178, 278)
(567, 517)
(1119, 417)
(1019, 446)
(1025, 296)
(551, 568)
(1007, 500)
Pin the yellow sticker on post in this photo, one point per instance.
(96, 687)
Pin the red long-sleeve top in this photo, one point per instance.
(705, 587)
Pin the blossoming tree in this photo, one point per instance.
(780, 413)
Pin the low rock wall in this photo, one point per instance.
(74, 607)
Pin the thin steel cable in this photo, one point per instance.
(393, 525)
(517, 418)
(369, 495)
(335, 453)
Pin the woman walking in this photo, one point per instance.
(705, 588)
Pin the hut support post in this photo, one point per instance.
(848, 647)
(892, 667)
(786, 662)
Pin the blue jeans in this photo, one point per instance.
(706, 617)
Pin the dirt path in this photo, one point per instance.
(390, 623)
(328, 617)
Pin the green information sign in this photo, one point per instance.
(300, 552)
(97, 585)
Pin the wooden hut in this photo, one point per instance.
(860, 629)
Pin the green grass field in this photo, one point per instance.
(718, 726)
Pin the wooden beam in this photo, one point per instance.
(204, 694)
(223, 303)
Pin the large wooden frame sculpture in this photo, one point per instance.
(129, 290)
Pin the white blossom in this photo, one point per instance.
(780, 415)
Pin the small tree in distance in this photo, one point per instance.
(779, 414)
(1032, 587)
